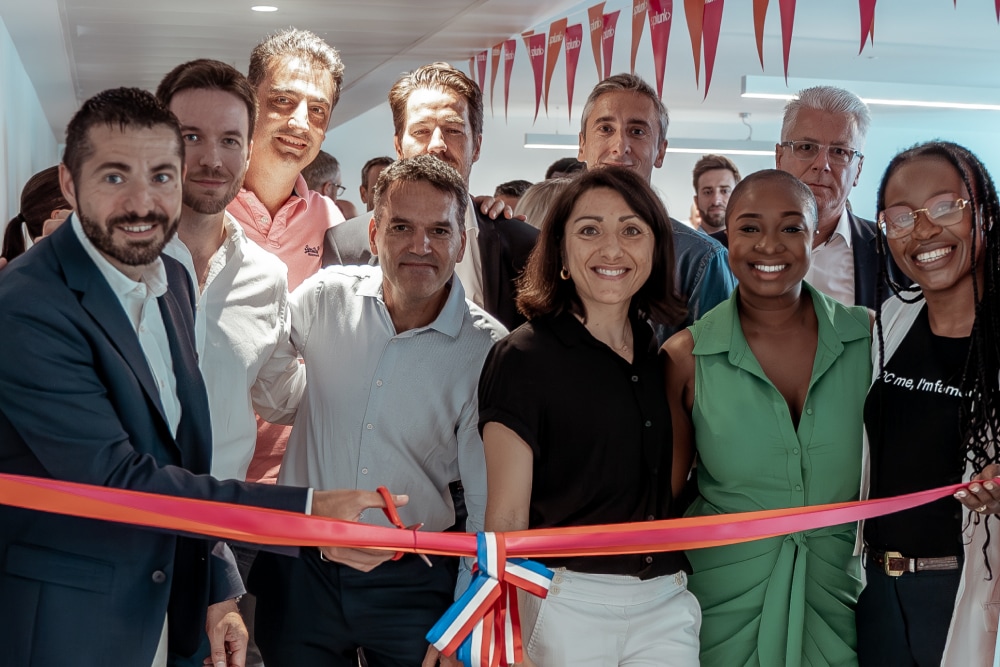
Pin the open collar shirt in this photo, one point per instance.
(832, 269)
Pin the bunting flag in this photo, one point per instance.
(472, 68)
(759, 13)
(639, 9)
(787, 8)
(996, 4)
(660, 18)
(711, 25)
(481, 67)
(573, 42)
(694, 11)
(495, 53)
(610, 22)
(867, 8)
(509, 47)
(595, 19)
(556, 32)
(535, 44)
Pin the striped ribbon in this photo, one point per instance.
(483, 627)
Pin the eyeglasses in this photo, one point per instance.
(808, 150)
(340, 189)
(943, 210)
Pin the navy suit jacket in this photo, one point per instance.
(866, 264)
(504, 246)
(78, 403)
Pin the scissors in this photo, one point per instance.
(392, 514)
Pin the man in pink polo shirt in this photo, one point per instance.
(297, 77)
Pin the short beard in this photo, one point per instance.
(131, 253)
(211, 205)
(707, 220)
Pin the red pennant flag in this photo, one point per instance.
(693, 12)
(595, 18)
(481, 66)
(495, 54)
(509, 47)
(639, 9)
(573, 42)
(556, 32)
(711, 24)
(787, 8)
(867, 8)
(536, 55)
(660, 17)
(997, 5)
(759, 12)
(608, 39)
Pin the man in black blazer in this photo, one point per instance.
(822, 138)
(437, 109)
(99, 384)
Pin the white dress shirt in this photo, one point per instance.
(470, 269)
(241, 320)
(832, 270)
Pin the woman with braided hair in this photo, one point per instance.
(931, 416)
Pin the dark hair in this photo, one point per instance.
(442, 76)
(710, 162)
(205, 74)
(40, 196)
(979, 414)
(381, 161)
(541, 291)
(629, 83)
(512, 188)
(779, 178)
(301, 43)
(117, 107)
(426, 169)
(564, 166)
(320, 170)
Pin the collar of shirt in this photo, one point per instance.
(572, 332)
(154, 278)
(295, 204)
(471, 221)
(448, 321)
(843, 229)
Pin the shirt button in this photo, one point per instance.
(369, 426)
(650, 518)
(648, 559)
(648, 423)
(273, 244)
(378, 383)
(809, 411)
(795, 451)
(364, 471)
(159, 577)
(798, 487)
(635, 378)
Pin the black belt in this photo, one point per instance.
(895, 564)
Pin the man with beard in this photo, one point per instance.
(438, 110)
(714, 178)
(99, 384)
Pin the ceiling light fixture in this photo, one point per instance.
(878, 93)
(264, 8)
(570, 142)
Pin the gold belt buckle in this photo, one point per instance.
(888, 556)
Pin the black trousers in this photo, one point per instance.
(903, 621)
(317, 613)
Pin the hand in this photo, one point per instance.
(227, 634)
(3, 262)
(58, 216)
(495, 207)
(434, 658)
(983, 493)
(347, 505)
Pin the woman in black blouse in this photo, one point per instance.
(577, 431)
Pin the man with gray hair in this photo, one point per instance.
(822, 139)
(625, 124)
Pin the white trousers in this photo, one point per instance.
(603, 620)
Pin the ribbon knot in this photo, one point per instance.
(483, 625)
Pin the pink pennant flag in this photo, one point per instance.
(787, 8)
(660, 17)
(711, 24)
(867, 8)
(608, 39)
(573, 42)
(639, 9)
(694, 11)
(595, 19)
(495, 54)
(556, 32)
(759, 13)
(472, 68)
(481, 66)
(509, 47)
(536, 55)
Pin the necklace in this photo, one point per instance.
(625, 334)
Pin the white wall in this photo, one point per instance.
(27, 144)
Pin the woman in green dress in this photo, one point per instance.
(769, 386)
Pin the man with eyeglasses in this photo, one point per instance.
(822, 136)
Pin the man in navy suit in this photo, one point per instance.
(99, 384)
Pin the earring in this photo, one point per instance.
(564, 274)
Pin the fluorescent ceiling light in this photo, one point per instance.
(570, 142)
(878, 93)
(264, 8)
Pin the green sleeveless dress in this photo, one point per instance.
(786, 600)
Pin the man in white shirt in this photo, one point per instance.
(394, 354)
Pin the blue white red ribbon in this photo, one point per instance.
(483, 627)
